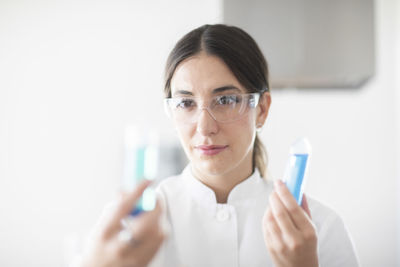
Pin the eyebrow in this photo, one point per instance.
(215, 91)
(225, 88)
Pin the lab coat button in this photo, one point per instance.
(222, 215)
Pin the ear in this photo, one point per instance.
(263, 108)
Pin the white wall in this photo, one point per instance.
(397, 75)
(73, 73)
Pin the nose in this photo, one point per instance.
(206, 124)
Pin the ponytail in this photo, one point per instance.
(260, 159)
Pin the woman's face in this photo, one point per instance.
(215, 148)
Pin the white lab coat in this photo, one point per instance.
(204, 233)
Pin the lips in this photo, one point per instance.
(210, 150)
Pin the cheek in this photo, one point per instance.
(244, 133)
(185, 134)
(241, 133)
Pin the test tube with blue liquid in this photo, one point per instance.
(296, 169)
(140, 162)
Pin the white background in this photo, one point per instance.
(74, 73)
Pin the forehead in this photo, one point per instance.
(202, 74)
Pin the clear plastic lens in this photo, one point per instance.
(228, 100)
(225, 108)
(184, 103)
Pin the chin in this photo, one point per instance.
(211, 167)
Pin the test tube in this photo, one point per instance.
(140, 162)
(296, 168)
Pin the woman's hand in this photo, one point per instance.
(289, 233)
(106, 249)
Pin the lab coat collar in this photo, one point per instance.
(245, 191)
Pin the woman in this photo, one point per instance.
(221, 209)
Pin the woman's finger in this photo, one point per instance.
(144, 224)
(272, 232)
(282, 216)
(146, 236)
(297, 214)
(139, 229)
(304, 205)
(141, 254)
(123, 208)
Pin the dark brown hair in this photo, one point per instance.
(239, 52)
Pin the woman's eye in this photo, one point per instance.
(228, 100)
(185, 103)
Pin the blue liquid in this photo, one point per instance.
(136, 211)
(138, 176)
(147, 200)
(139, 164)
(298, 164)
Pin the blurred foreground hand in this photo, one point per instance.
(134, 244)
